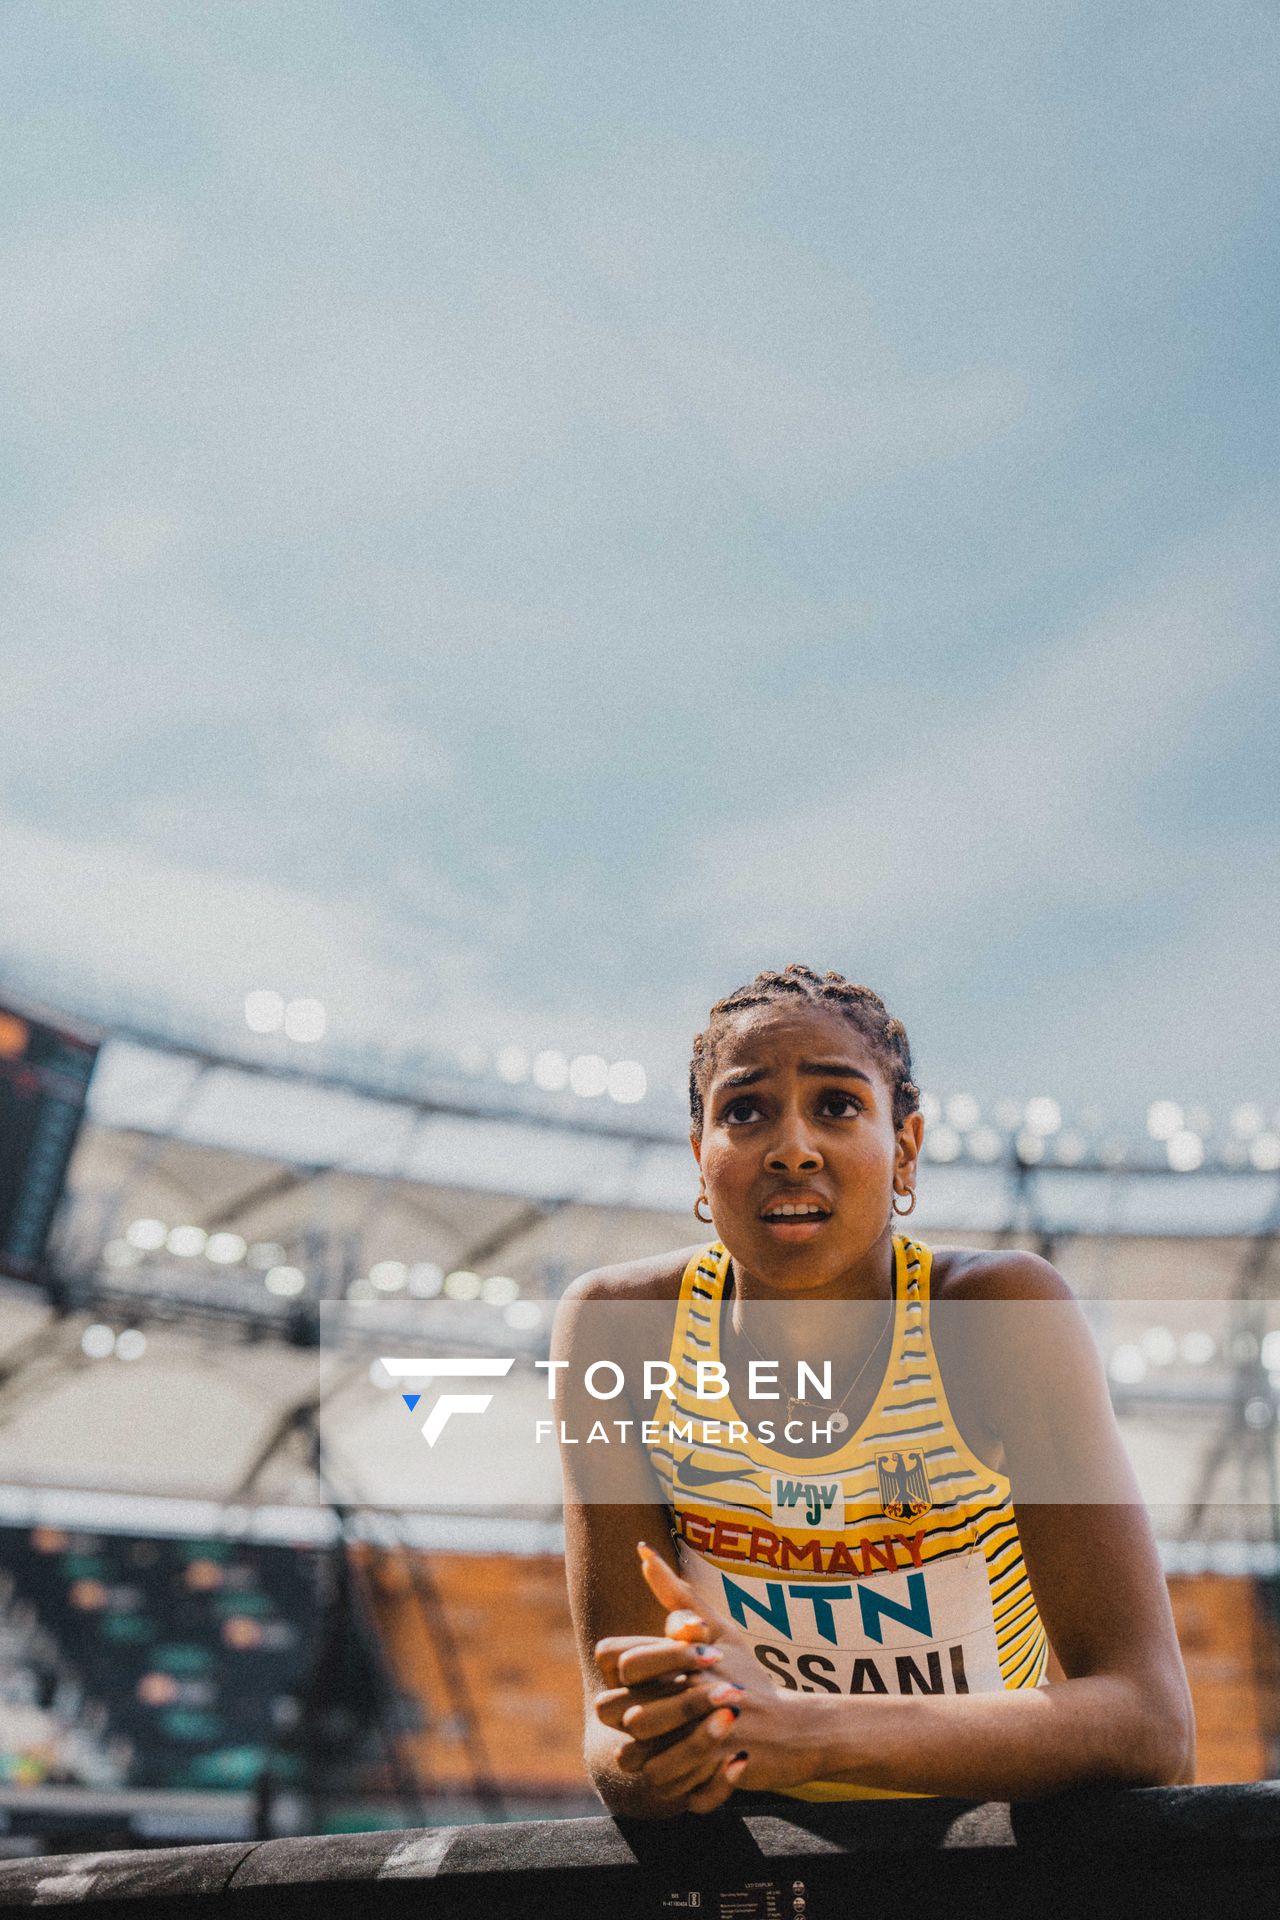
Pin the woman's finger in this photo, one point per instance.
(609, 1651)
(690, 1753)
(646, 1719)
(656, 1659)
(613, 1702)
(677, 1597)
(716, 1791)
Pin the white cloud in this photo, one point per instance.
(1026, 801)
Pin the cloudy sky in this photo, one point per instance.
(518, 517)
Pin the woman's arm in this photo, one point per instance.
(610, 1604)
(1122, 1713)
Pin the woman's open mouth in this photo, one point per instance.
(795, 1221)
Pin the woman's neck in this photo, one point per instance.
(790, 1324)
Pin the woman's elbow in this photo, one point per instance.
(1161, 1748)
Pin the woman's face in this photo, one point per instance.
(799, 1115)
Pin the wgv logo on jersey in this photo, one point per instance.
(818, 1503)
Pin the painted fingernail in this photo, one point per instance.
(707, 1656)
(737, 1766)
(719, 1723)
(724, 1691)
(644, 1549)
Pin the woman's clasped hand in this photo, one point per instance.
(700, 1717)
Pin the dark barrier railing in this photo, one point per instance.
(1203, 1851)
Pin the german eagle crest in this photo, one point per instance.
(904, 1485)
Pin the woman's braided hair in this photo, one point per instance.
(864, 1009)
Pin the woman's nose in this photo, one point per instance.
(793, 1152)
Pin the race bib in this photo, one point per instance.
(920, 1630)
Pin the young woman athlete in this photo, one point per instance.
(874, 1610)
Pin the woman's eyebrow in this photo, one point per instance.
(816, 1069)
(821, 1068)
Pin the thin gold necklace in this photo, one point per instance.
(837, 1419)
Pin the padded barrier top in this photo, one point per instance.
(1168, 1851)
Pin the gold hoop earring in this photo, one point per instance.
(910, 1207)
(706, 1219)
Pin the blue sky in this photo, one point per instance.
(516, 518)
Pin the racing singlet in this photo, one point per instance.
(891, 1565)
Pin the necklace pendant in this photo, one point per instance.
(838, 1421)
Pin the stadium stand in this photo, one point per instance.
(233, 1604)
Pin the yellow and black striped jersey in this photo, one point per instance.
(891, 1564)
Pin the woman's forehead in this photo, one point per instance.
(770, 1034)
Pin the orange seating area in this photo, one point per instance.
(483, 1642)
(1231, 1647)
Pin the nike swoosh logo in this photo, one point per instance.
(691, 1476)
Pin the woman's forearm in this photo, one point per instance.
(1007, 1746)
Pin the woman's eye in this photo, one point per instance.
(841, 1103)
(739, 1111)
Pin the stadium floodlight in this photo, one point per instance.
(626, 1082)
(147, 1235)
(264, 1010)
(285, 1281)
(985, 1145)
(1127, 1365)
(187, 1242)
(1043, 1116)
(522, 1316)
(463, 1284)
(265, 1254)
(943, 1144)
(500, 1290)
(930, 1109)
(550, 1071)
(425, 1279)
(225, 1249)
(131, 1344)
(305, 1021)
(1030, 1146)
(512, 1065)
(963, 1112)
(1198, 1347)
(1164, 1119)
(1069, 1148)
(388, 1276)
(1185, 1150)
(589, 1075)
(97, 1341)
(1246, 1120)
(1160, 1346)
(1271, 1350)
(1264, 1152)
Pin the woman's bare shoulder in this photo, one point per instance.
(656, 1277)
(995, 1273)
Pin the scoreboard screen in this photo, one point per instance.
(45, 1066)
